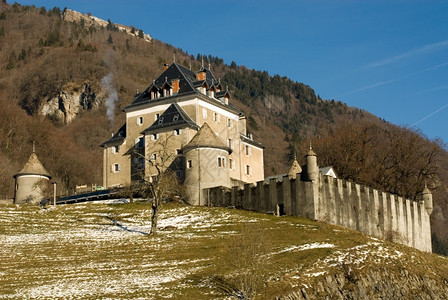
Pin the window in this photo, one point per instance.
(247, 150)
(154, 156)
(160, 120)
(231, 164)
(115, 149)
(230, 143)
(204, 113)
(221, 162)
(176, 131)
(178, 152)
(154, 137)
(230, 123)
(116, 168)
(157, 116)
(216, 117)
(139, 142)
(248, 170)
(189, 164)
(139, 120)
(176, 117)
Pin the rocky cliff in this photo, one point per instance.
(69, 103)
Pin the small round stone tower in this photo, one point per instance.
(427, 200)
(30, 182)
(207, 164)
(311, 165)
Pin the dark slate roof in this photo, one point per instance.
(174, 117)
(252, 142)
(174, 71)
(187, 84)
(117, 139)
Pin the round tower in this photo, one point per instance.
(427, 200)
(311, 165)
(31, 182)
(207, 164)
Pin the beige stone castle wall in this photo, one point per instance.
(338, 202)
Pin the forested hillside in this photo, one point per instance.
(46, 59)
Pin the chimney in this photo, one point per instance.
(200, 76)
(175, 85)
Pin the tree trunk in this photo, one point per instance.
(154, 216)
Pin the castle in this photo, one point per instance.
(186, 120)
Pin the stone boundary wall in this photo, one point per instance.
(334, 201)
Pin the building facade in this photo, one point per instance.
(166, 118)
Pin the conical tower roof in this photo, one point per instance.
(295, 168)
(33, 167)
(206, 138)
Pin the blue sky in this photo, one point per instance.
(387, 57)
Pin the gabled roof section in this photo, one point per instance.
(174, 71)
(206, 138)
(188, 84)
(33, 167)
(117, 139)
(174, 117)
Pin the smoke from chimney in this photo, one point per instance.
(112, 98)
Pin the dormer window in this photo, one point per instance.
(176, 117)
(160, 120)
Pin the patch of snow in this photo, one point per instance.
(305, 247)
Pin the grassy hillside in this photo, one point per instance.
(102, 250)
(42, 56)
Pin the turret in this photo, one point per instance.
(427, 200)
(295, 169)
(207, 159)
(311, 165)
(31, 182)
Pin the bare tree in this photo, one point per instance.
(158, 179)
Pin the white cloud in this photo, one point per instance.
(419, 51)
